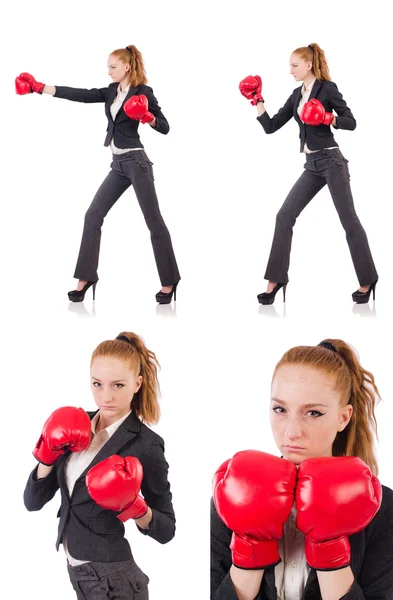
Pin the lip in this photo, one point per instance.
(294, 448)
(108, 407)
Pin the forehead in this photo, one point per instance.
(295, 58)
(113, 60)
(297, 384)
(109, 366)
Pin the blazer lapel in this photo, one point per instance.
(112, 92)
(315, 89)
(131, 92)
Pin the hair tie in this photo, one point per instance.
(129, 50)
(311, 48)
(123, 338)
(329, 346)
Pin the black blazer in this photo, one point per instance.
(95, 533)
(371, 561)
(123, 129)
(320, 136)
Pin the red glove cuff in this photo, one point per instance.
(257, 98)
(328, 556)
(250, 553)
(44, 455)
(137, 510)
(147, 118)
(328, 118)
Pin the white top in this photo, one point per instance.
(78, 461)
(292, 573)
(115, 107)
(305, 93)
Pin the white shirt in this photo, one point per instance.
(292, 573)
(78, 462)
(305, 94)
(115, 107)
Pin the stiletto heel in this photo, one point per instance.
(268, 298)
(364, 297)
(79, 295)
(166, 297)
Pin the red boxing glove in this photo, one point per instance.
(251, 88)
(36, 86)
(137, 108)
(335, 497)
(314, 113)
(115, 483)
(68, 428)
(22, 86)
(253, 493)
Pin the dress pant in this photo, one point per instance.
(122, 580)
(131, 168)
(321, 168)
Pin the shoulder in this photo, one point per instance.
(329, 85)
(145, 88)
(150, 436)
(112, 85)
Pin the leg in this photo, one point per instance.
(109, 192)
(141, 175)
(122, 580)
(304, 190)
(338, 182)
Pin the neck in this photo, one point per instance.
(308, 79)
(123, 83)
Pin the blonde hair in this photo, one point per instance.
(356, 386)
(130, 55)
(314, 54)
(141, 361)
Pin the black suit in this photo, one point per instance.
(95, 533)
(371, 561)
(131, 168)
(325, 167)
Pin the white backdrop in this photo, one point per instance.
(220, 181)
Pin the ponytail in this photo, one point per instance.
(130, 348)
(356, 387)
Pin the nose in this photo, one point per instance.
(107, 397)
(293, 431)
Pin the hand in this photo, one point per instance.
(115, 483)
(251, 88)
(22, 86)
(35, 85)
(137, 108)
(253, 494)
(335, 497)
(68, 428)
(314, 113)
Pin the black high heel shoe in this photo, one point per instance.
(268, 298)
(79, 295)
(364, 297)
(166, 297)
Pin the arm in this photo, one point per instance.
(345, 119)
(375, 581)
(159, 123)
(273, 124)
(77, 94)
(156, 491)
(41, 486)
(227, 581)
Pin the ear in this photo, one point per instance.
(138, 383)
(345, 417)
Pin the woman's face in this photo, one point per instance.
(117, 69)
(113, 385)
(305, 412)
(299, 67)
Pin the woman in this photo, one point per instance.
(311, 105)
(101, 461)
(128, 102)
(315, 523)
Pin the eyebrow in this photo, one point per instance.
(303, 405)
(115, 381)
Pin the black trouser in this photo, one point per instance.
(122, 580)
(132, 168)
(321, 168)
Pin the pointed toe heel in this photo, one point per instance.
(268, 298)
(79, 295)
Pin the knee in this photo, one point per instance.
(284, 218)
(93, 217)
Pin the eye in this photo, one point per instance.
(315, 413)
(119, 385)
(279, 410)
(96, 384)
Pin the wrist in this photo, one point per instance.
(329, 555)
(251, 553)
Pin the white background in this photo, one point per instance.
(220, 181)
